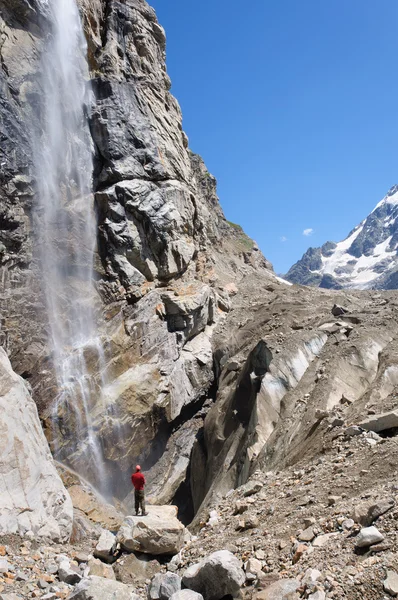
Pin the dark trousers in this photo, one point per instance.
(139, 496)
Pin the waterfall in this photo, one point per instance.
(66, 229)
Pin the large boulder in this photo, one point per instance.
(159, 532)
(186, 595)
(32, 495)
(98, 588)
(216, 576)
(163, 586)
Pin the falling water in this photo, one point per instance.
(67, 236)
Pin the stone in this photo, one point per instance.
(280, 590)
(160, 532)
(311, 576)
(381, 422)
(307, 535)
(368, 536)
(98, 568)
(253, 565)
(186, 595)
(67, 574)
(332, 500)
(252, 487)
(390, 584)
(4, 565)
(216, 576)
(105, 548)
(164, 585)
(98, 588)
(318, 595)
(322, 540)
(365, 513)
(301, 548)
(339, 310)
(353, 431)
(26, 464)
(348, 524)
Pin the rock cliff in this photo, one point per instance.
(167, 262)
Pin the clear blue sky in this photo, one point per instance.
(293, 105)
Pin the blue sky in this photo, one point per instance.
(293, 106)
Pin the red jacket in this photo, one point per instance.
(138, 481)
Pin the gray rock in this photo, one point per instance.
(4, 565)
(390, 584)
(216, 576)
(98, 588)
(368, 536)
(353, 431)
(105, 548)
(252, 487)
(380, 422)
(307, 535)
(164, 585)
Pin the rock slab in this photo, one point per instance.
(159, 532)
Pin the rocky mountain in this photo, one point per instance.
(265, 413)
(366, 259)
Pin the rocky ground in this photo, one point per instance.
(329, 524)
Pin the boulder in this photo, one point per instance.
(98, 588)
(159, 532)
(164, 585)
(216, 576)
(368, 536)
(381, 422)
(67, 573)
(390, 584)
(186, 595)
(32, 495)
(280, 590)
(105, 548)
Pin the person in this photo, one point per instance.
(138, 480)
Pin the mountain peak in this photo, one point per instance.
(366, 259)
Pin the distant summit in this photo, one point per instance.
(366, 259)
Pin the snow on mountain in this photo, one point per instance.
(366, 259)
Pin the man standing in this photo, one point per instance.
(138, 481)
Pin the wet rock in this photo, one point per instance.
(390, 584)
(368, 536)
(216, 576)
(160, 532)
(105, 548)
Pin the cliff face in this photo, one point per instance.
(167, 260)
